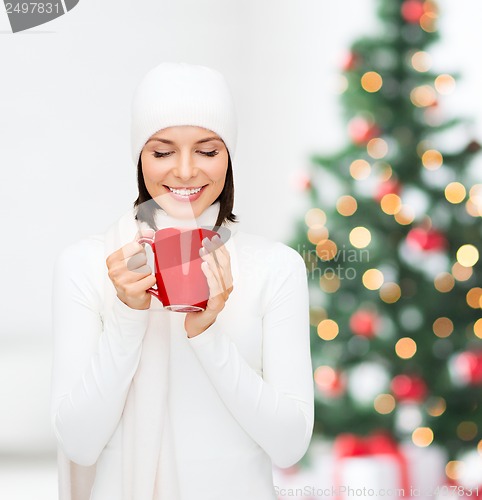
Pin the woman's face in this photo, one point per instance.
(184, 158)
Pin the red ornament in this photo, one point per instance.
(409, 388)
(350, 61)
(302, 181)
(426, 239)
(412, 11)
(330, 382)
(389, 186)
(467, 367)
(362, 130)
(364, 323)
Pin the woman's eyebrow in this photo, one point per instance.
(159, 140)
(213, 138)
(166, 141)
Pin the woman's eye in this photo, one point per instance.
(158, 154)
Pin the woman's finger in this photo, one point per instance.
(133, 276)
(217, 269)
(136, 261)
(213, 283)
(124, 252)
(221, 264)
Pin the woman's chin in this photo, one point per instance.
(182, 210)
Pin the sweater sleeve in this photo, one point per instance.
(277, 409)
(93, 361)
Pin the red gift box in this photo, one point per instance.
(369, 465)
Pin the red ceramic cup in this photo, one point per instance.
(181, 283)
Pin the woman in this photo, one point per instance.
(153, 404)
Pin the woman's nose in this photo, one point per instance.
(185, 169)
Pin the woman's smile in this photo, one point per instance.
(185, 193)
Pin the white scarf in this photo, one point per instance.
(147, 453)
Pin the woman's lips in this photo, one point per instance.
(191, 197)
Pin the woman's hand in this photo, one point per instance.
(130, 273)
(217, 269)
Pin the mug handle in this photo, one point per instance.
(150, 241)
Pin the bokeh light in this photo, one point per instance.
(391, 203)
(317, 233)
(384, 404)
(452, 469)
(377, 148)
(475, 193)
(371, 81)
(436, 406)
(328, 329)
(360, 169)
(390, 292)
(478, 328)
(330, 382)
(422, 436)
(385, 170)
(455, 192)
(325, 377)
(443, 327)
(372, 279)
(421, 61)
(406, 348)
(360, 237)
(461, 273)
(315, 217)
(346, 205)
(423, 96)
(431, 7)
(467, 255)
(474, 203)
(467, 430)
(405, 216)
(330, 282)
(473, 209)
(444, 282)
(473, 297)
(326, 249)
(445, 84)
(432, 159)
(428, 22)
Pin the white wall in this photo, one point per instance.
(66, 172)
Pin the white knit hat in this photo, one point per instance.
(174, 94)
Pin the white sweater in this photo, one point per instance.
(240, 393)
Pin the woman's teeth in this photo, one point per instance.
(185, 192)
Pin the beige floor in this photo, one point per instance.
(28, 479)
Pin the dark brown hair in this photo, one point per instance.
(147, 207)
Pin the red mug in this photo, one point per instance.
(181, 284)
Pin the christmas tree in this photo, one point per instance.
(390, 243)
